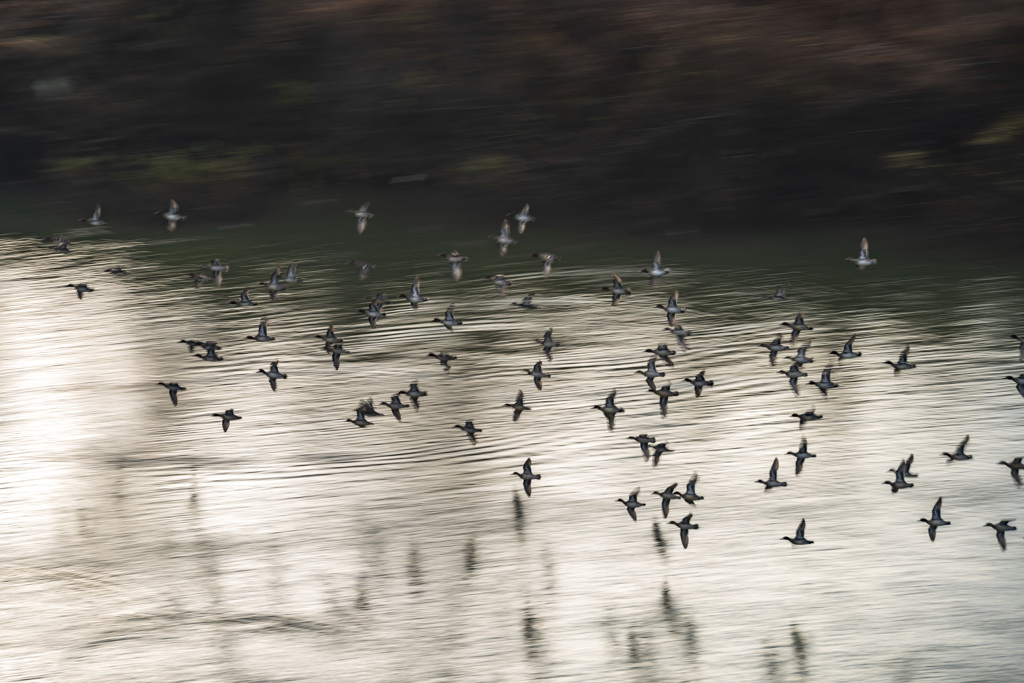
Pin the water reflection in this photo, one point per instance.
(296, 545)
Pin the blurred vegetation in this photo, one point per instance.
(722, 111)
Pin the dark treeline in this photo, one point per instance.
(721, 111)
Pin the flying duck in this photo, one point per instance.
(470, 430)
(664, 394)
(329, 337)
(524, 217)
(959, 454)
(1020, 382)
(663, 353)
(801, 356)
(261, 334)
(360, 420)
(617, 289)
(537, 373)
(699, 382)
(825, 383)
(680, 334)
(449, 320)
(667, 496)
(526, 475)
(243, 299)
(650, 373)
(548, 343)
(116, 271)
(527, 302)
(672, 307)
(793, 374)
(684, 529)
(172, 215)
(644, 442)
(200, 279)
(363, 268)
(632, 504)
(503, 238)
(373, 313)
(659, 450)
(518, 407)
(414, 394)
(847, 351)
(1015, 465)
(273, 375)
(336, 349)
(691, 496)
(779, 295)
(801, 455)
(81, 289)
(366, 408)
(217, 267)
(456, 259)
(501, 282)
(656, 270)
(548, 259)
(799, 538)
(414, 297)
(211, 353)
(936, 521)
(900, 478)
(293, 274)
(1001, 528)
(862, 260)
(808, 416)
(773, 477)
(362, 215)
(902, 363)
(227, 417)
(396, 405)
(610, 410)
(173, 388)
(798, 324)
(444, 359)
(775, 345)
(93, 220)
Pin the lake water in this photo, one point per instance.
(143, 543)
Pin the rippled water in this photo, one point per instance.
(143, 543)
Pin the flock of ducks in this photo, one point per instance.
(649, 446)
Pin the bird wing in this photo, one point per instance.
(774, 469)
(937, 509)
(864, 248)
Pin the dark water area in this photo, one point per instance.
(143, 542)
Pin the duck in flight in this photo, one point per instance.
(470, 430)
(116, 271)
(691, 496)
(1019, 381)
(801, 356)
(672, 308)
(273, 374)
(360, 419)
(524, 217)
(456, 260)
(292, 276)
(1015, 465)
(1001, 528)
(663, 394)
(548, 261)
(680, 334)
(632, 504)
(862, 259)
(801, 455)
(527, 475)
(959, 453)
(211, 353)
(414, 297)
(414, 394)
(261, 333)
(362, 215)
(172, 215)
(808, 416)
(663, 353)
(699, 383)
(825, 383)
(779, 295)
(902, 363)
(329, 337)
(644, 441)
(656, 269)
(227, 417)
(81, 289)
(773, 477)
(799, 324)
(374, 312)
(94, 220)
(650, 373)
(504, 238)
(449, 320)
(527, 302)
(799, 539)
(336, 350)
(362, 267)
(501, 282)
(173, 388)
(659, 450)
(243, 299)
(538, 374)
(396, 405)
(847, 351)
(518, 407)
(274, 286)
(900, 478)
(617, 289)
(548, 342)
(936, 519)
(794, 373)
(610, 410)
(684, 529)
(667, 496)
(444, 359)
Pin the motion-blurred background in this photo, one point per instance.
(723, 111)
